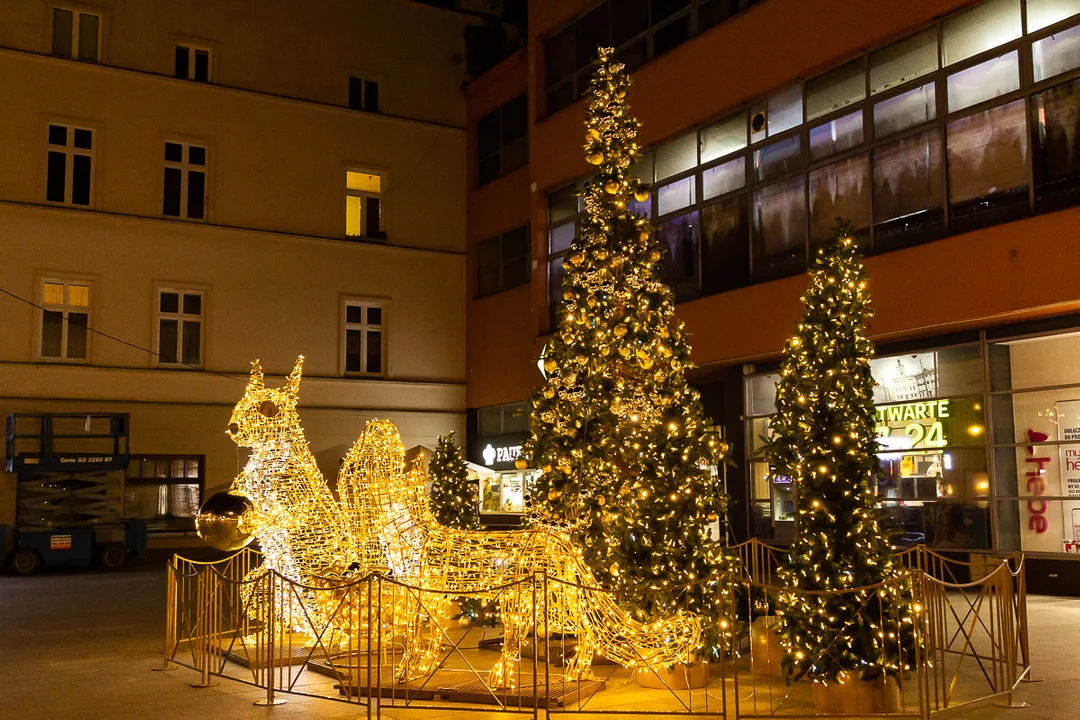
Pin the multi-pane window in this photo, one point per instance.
(363, 94)
(65, 320)
(193, 63)
(164, 490)
(503, 419)
(502, 262)
(76, 34)
(363, 204)
(185, 188)
(502, 140)
(639, 30)
(69, 165)
(944, 131)
(180, 327)
(365, 330)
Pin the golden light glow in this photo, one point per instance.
(383, 523)
(367, 182)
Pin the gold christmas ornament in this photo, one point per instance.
(595, 158)
(641, 194)
(550, 365)
(521, 463)
(620, 331)
(611, 187)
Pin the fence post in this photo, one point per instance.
(269, 632)
(202, 638)
(170, 615)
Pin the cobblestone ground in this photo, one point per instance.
(82, 645)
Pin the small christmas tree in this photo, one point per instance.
(822, 436)
(616, 428)
(454, 498)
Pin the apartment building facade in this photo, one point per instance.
(189, 186)
(943, 130)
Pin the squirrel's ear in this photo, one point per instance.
(292, 384)
(256, 379)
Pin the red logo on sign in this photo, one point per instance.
(1036, 482)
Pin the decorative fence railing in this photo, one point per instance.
(380, 643)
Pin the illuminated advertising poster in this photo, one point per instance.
(1068, 413)
(905, 377)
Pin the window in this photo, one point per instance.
(679, 237)
(185, 191)
(76, 34)
(639, 30)
(69, 171)
(925, 137)
(363, 204)
(988, 177)
(365, 326)
(363, 94)
(192, 63)
(164, 490)
(65, 320)
(1056, 158)
(502, 140)
(180, 327)
(503, 419)
(502, 262)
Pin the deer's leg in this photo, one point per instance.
(515, 612)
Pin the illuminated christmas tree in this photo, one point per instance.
(615, 427)
(454, 498)
(822, 436)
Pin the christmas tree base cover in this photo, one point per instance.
(858, 696)
(766, 654)
(677, 677)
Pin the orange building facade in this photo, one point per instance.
(944, 130)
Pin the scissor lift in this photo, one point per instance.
(70, 496)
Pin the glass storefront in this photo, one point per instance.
(979, 447)
(505, 492)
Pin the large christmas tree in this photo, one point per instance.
(822, 436)
(454, 499)
(615, 427)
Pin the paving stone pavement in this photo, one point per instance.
(82, 646)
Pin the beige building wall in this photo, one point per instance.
(271, 259)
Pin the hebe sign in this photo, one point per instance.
(1036, 482)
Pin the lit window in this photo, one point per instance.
(363, 94)
(979, 29)
(986, 80)
(363, 338)
(1044, 13)
(65, 320)
(903, 60)
(835, 89)
(363, 204)
(76, 34)
(180, 327)
(185, 191)
(1056, 54)
(193, 63)
(69, 168)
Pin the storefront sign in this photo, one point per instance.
(913, 425)
(1035, 476)
(497, 452)
(1068, 412)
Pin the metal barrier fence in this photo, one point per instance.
(380, 643)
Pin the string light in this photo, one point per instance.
(823, 437)
(626, 457)
(383, 522)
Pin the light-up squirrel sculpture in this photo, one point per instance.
(383, 524)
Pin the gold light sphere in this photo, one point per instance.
(611, 187)
(595, 158)
(521, 463)
(219, 522)
(641, 194)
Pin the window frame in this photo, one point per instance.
(186, 167)
(192, 46)
(500, 152)
(937, 221)
(500, 239)
(365, 79)
(180, 289)
(143, 481)
(66, 280)
(77, 10)
(364, 328)
(381, 196)
(70, 151)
